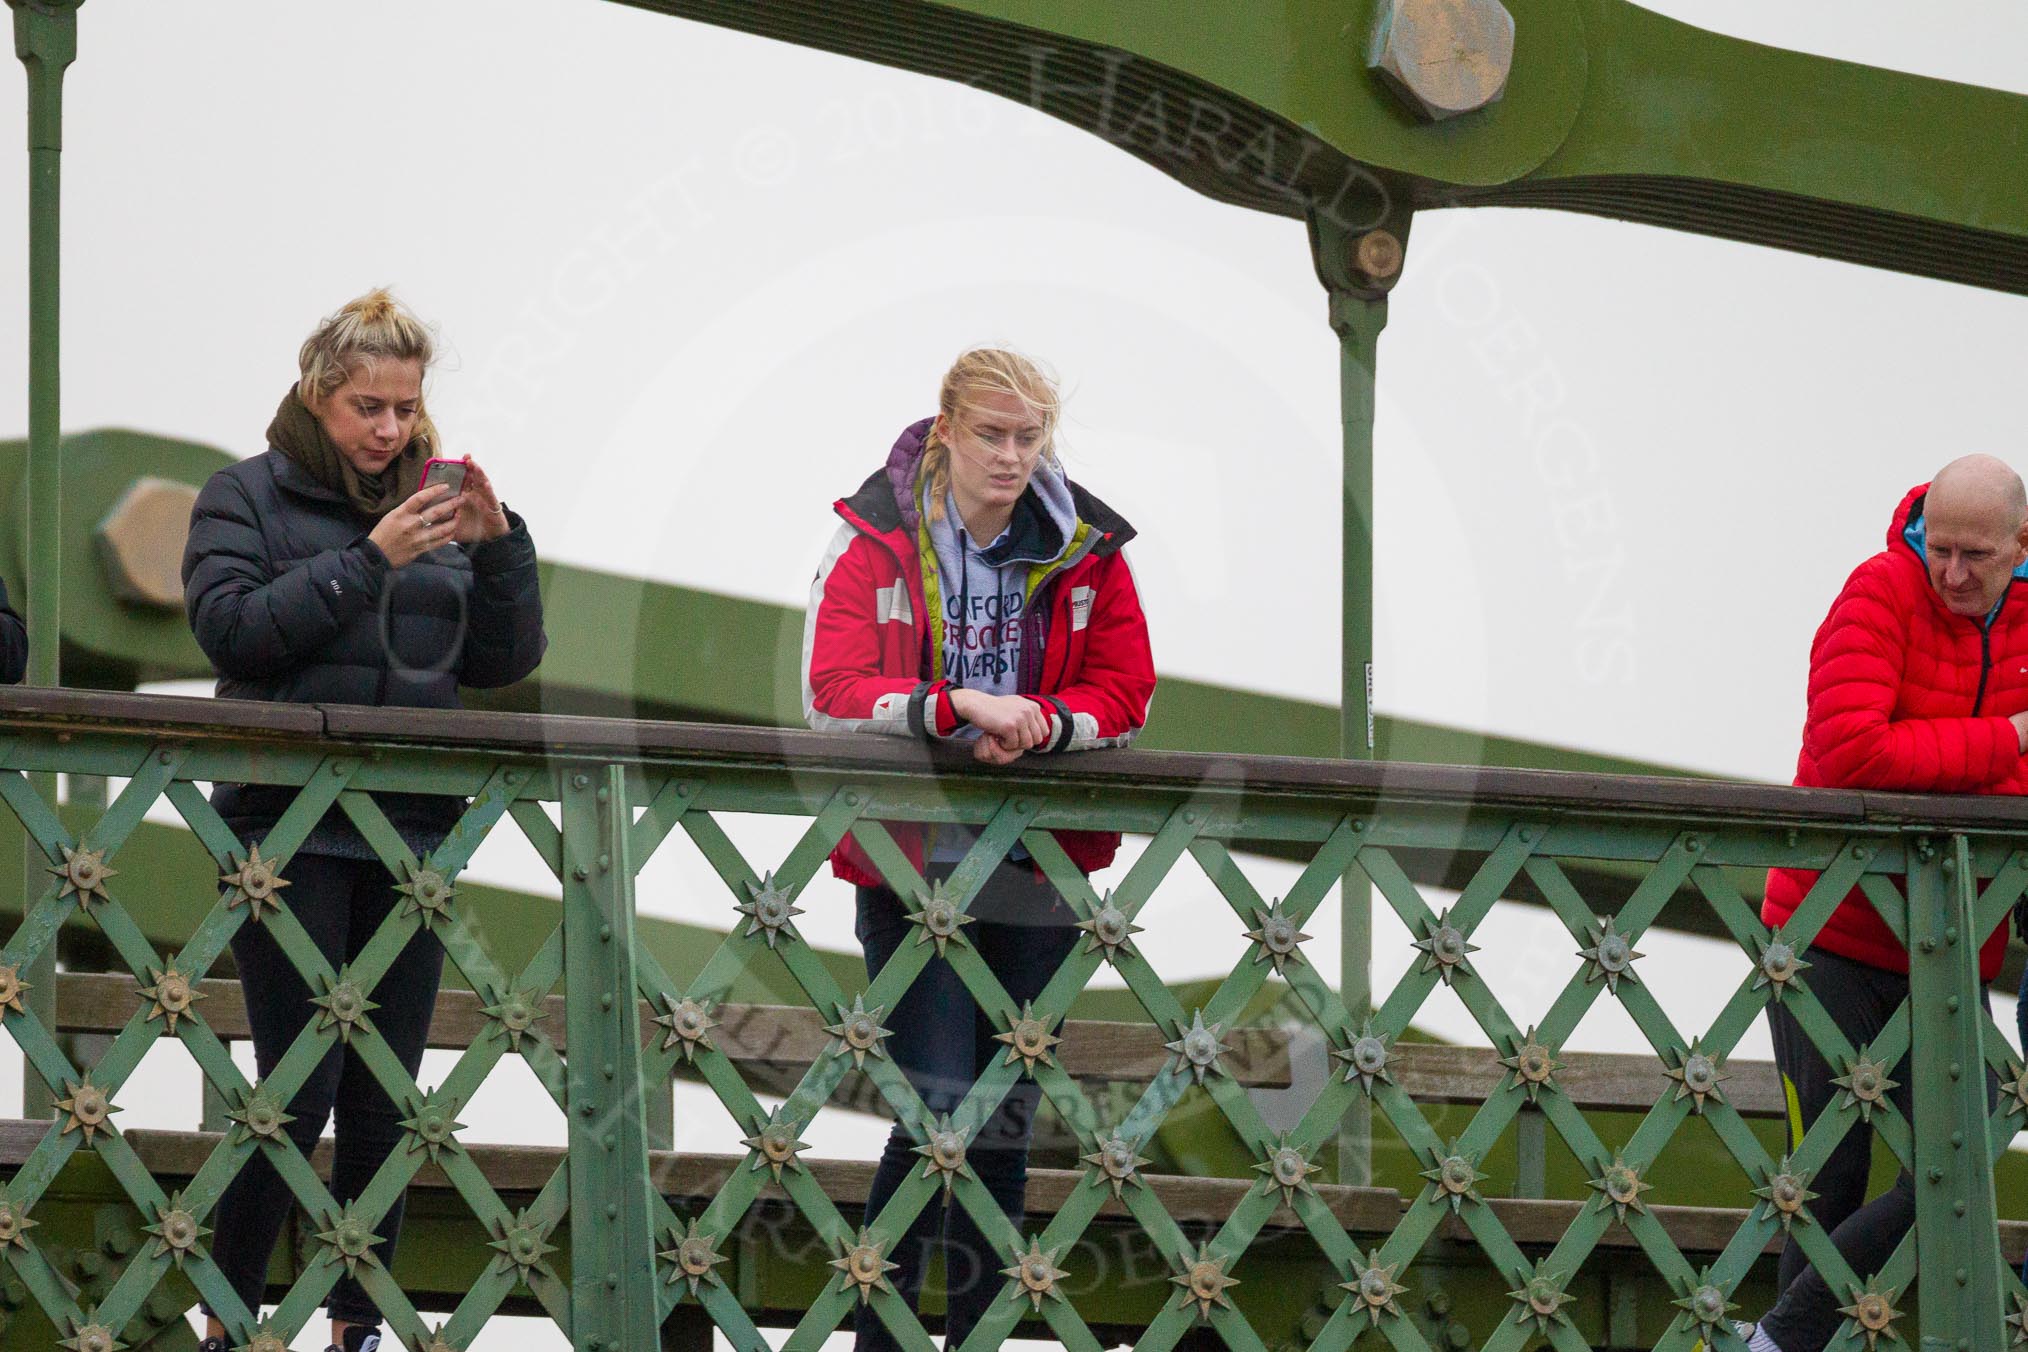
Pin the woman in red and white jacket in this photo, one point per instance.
(973, 592)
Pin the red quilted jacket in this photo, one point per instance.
(1906, 696)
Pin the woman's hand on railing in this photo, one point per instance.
(426, 521)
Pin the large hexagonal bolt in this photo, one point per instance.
(1035, 1274)
(141, 540)
(1443, 58)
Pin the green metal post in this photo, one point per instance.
(45, 38)
(1957, 1234)
(1356, 265)
(611, 1205)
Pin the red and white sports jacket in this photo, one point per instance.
(867, 640)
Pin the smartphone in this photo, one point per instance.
(450, 472)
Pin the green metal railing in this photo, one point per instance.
(622, 790)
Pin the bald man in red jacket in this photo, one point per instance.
(1918, 683)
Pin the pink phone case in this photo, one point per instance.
(457, 479)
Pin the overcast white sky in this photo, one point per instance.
(692, 282)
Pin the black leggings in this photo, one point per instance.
(340, 902)
(941, 1041)
(1860, 1000)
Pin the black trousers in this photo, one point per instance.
(1860, 1000)
(941, 1041)
(340, 902)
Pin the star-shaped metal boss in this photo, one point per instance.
(1278, 935)
(1540, 1298)
(84, 875)
(1204, 1281)
(1368, 1058)
(1444, 948)
(259, 1116)
(521, 1246)
(1373, 1289)
(1778, 966)
(89, 1335)
(944, 1153)
(256, 882)
(941, 920)
(693, 1258)
(689, 1024)
(438, 1341)
(1698, 1077)
(170, 997)
(1111, 932)
(267, 1337)
(12, 988)
(1786, 1194)
(344, 1006)
(1533, 1064)
(1035, 1274)
(14, 1222)
(775, 1145)
(1610, 957)
(176, 1230)
(86, 1108)
(2019, 1320)
(1028, 1038)
(1288, 1169)
(428, 893)
(1705, 1305)
(1865, 1084)
(1620, 1188)
(1115, 1163)
(769, 910)
(1454, 1178)
(432, 1127)
(1873, 1311)
(517, 1013)
(858, 1031)
(1199, 1047)
(348, 1240)
(864, 1266)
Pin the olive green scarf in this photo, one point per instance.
(296, 433)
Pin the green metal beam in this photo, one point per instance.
(1609, 110)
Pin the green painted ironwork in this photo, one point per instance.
(1446, 1193)
(1609, 109)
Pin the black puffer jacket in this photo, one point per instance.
(291, 601)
